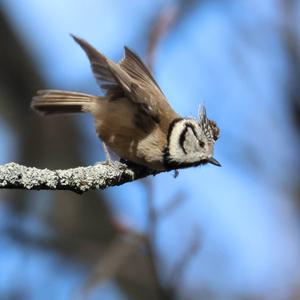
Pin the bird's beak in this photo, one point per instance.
(214, 162)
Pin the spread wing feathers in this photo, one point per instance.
(137, 69)
(140, 86)
(130, 77)
(99, 66)
(143, 88)
(57, 102)
(137, 92)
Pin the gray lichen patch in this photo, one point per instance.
(79, 179)
(26, 177)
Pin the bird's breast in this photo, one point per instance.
(129, 134)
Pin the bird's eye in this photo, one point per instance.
(201, 144)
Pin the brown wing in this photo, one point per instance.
(102, 73)
(130, 77)
(136, 68)
(140, 86)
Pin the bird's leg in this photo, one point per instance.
(108, 159)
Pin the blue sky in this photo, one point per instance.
(228, 57)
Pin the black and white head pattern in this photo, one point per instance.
(190, 142)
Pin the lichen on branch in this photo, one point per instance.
(79, 180)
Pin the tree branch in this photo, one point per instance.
(78, 180)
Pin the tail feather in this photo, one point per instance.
(59, 102)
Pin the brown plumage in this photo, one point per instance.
(130, 113)
(133, 117)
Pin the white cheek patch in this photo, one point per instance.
(174, 149)
(190, 143)
(183, 144)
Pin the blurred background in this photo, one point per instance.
(211, 233)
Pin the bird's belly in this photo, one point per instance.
(115, 125)
(139, 151)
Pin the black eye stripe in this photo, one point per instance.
(182, 139)
(183, 134)
(171, 127)
(166, 153)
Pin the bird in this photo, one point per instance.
(133, 118)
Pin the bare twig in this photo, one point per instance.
(112, 260)
(150, 243)
(162, 25)
(79, 180)
(185, 259)
(172, 205)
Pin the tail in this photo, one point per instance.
(52, 102)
